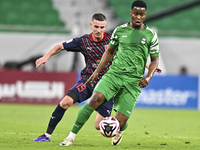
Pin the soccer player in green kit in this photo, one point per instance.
(124, 79)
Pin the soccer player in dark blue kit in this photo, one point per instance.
(92, 46)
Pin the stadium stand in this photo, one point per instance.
(182, 23)
(78, 13)
(30, 16)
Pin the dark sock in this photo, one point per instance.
(55, 119)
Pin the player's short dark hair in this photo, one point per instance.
(99, 17)
(139, 3)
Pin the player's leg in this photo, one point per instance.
(83, 115)
(56, 116)
(125, 101)
(86, 110)
(123, 125)
(70, 139)
(75, 94)
(104, 110)
(58, 113)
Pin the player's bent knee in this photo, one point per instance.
(66, 102)
(96, 99)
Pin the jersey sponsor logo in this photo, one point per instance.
(143, 41)
(89, 48)
(124, 35)
(94, 66)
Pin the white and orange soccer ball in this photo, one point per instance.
(109, 126)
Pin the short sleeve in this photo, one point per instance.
(114, 41)
(73, 45)
(154, 47)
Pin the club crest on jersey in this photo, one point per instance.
(143, 41)
(106, 47)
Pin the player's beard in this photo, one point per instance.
(98, 36)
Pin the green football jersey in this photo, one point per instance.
(134, 47)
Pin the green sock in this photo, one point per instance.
(126, 125)
(83, 115)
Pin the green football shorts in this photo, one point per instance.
(123, 87)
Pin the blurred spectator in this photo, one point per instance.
(10, 65)
(183, 70)
(20, 65)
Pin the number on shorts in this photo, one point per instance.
(81, 87)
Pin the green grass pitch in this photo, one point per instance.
(149, 129)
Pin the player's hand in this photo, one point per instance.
(91, 79)
(40, 62)
(144, 81)
(159, 70)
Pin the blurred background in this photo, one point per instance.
(28, 29)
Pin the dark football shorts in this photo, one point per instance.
(80, 93)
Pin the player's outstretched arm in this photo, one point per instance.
(42, 61)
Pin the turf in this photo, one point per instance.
(149, 129)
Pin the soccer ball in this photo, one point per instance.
(109, 126)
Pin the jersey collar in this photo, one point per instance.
(133, 28)
(104, 36)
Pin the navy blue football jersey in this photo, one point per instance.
(92, 52)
